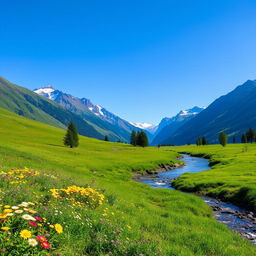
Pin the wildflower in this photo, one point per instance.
(38, 218)
(9, 214)
(58, 228)
(7, 206)
(25, 234)
(32, 242)
(18, 211)
(51, 226)
(24, 204)
(3, 215)
(32, 223)
(5, 228)
(15, 207)
(41, 239)
(7, 210)
(45, 245)
(28, 217)
(31, 211)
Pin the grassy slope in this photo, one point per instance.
(232, 178)
(181, 224)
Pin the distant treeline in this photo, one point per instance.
(248, 137)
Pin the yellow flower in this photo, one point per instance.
(58, 228)
(25, 234)
(3, 215)
(5, 228)
(7, 210)
(7, 206)
(51, 226)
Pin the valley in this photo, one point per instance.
(156, 221)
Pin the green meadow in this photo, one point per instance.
(232, 177)
(134, 219)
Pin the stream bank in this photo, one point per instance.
(237, 219)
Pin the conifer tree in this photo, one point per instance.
(71, 138)
(106, 138)
(250, 135)
(204, 141)
(234, 139)
(133, 140)
(142, 139)
(223, 139)
(243, 139)
(199, 141)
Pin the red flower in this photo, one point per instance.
(32, 223)
(41, 239)
(38, 218)
(46, 245)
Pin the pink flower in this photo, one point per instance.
(38, 218)
(46, 245)
(32, 223)
(41, 239)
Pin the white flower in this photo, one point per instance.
(10, 214)
(24, 204)
(28, 217)
(15, 207)
(32, 242)
(18, 211)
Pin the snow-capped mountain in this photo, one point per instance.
(146, 126)
(168, 125)
(48, 92)
(96, 114)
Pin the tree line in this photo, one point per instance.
(248, 137)
(139, 138)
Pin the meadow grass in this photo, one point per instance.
(232, 177)
(145, 221)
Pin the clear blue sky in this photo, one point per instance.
(142, 60)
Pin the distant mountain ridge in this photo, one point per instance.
(168, 126)
(95, 114)
(232, 113)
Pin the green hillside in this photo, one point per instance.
(134, 219)
(28, 104)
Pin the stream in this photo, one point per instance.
(237, 219)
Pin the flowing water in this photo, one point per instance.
(239, 220)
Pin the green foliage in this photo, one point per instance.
(243, 139)
(204, 141)
(71, 138)
(199, 141)
(250, 135)
(223, 139)
(133, 139)
(142, 139)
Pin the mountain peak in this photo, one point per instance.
(47, 91)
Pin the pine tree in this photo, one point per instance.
(199, 141)
(106, 138)
(250, 135)
(142, 139)
(204, 141)
(243, 139)
(234, 139)
(133, 140)
(71, 138)
(223, 139)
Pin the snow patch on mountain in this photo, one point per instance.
(47, 91)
